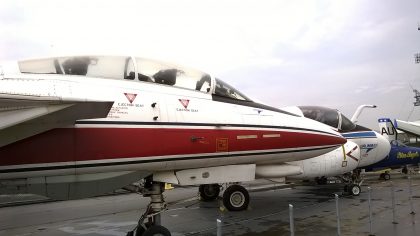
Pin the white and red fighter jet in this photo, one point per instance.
(79, 126)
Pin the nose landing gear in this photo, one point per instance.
(149, 223)
(353, 182)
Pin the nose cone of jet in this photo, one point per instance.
(384, 147)
(308, 138)
(373, 154)
(324, 135)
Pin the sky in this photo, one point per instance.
(338, 54)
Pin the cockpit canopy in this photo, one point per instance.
(328, 116)
(398, 143)
(132, 68)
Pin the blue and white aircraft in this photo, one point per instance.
(400, 155)
(371, 147)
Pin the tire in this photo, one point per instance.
(404, 170)
(130, 233)
(156, 230)
(381, 176)
(321, 181)
(140, 230)
(209, 192)
(355, 190)
(387, 176)
(236, 198)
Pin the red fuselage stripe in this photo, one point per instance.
(89, 144)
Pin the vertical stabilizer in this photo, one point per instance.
(387, 129)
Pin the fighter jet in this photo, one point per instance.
(368, 147)
(79, 126)
(400, 155)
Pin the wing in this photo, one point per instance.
(408, 127)
(25, 116)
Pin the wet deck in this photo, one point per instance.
(268, 214)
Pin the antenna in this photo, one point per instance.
(358, 111)
(417, 97)
(417, 55)
(416, 92)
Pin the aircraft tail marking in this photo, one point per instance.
(387, 128)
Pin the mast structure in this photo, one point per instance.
(417, 55)
(417, 60)
(417, 97)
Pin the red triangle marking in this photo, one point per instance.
(184, 102)
(130, 96)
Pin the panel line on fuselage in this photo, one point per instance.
(99, 163)
(358, 135)
(211, 125)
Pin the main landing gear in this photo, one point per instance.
(235, 197)
(353, 182)
(385, 176)
(149, 223)
(321, 180)
(209, 192)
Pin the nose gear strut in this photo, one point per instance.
(150, 222)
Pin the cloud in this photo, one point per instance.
(361, 89)
(216, 33)
(391, 88)
(334, 53)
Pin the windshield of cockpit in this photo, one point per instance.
(346, 123)
(328, 116)
(225, 90)
(169, 74)
(321, 114)
(398, 143)
(120, 67)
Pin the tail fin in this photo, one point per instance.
(387, 129)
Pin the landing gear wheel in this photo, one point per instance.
(236, 198)
(321, 181)
(354, 190)
(149, 223)
(387, 176)
(209, 192)
(157, 230)
(381, 176)
(404, 170)
(140, 229)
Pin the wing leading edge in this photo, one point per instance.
(22, 118)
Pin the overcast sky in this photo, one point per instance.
(338, 54)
